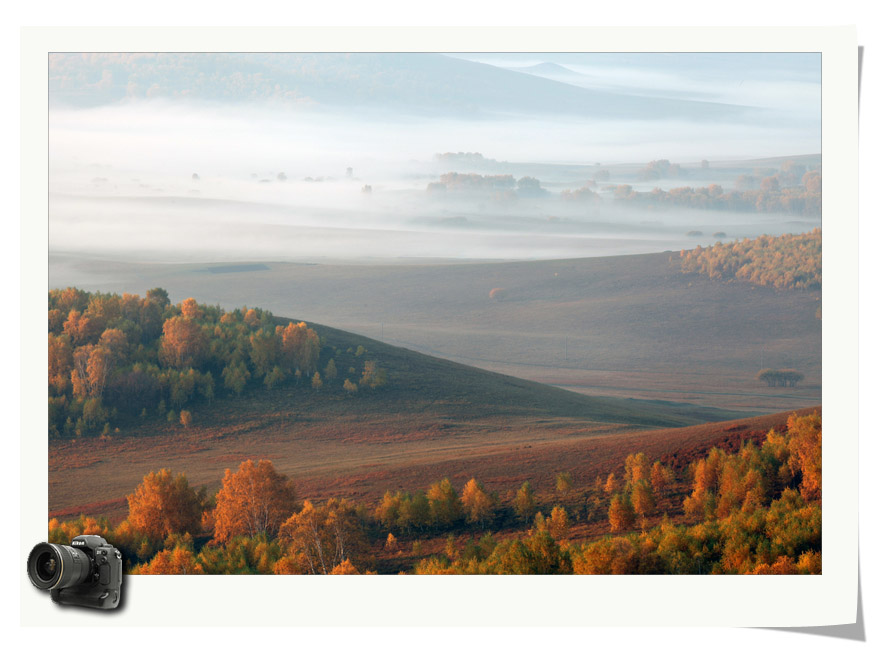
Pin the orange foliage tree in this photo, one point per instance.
(180, 561)
(300, 347)
(806, 453)
(91, 369)
(637, 468)
(661, 478)
(620, 513)
(183, 343)
(320, 539)
(558, 523)
(478, 504)
(164, 504)
(60, 362)
(255, 499)
(642, 497)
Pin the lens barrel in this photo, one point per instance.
(56, 566)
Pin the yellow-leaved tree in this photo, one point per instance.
(478, 504)
(255, 499)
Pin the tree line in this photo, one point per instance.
(751, 511)
(499, 186)
(797, 201)
(792, 261)
(115, 357)
(789, 189)
(770, 198)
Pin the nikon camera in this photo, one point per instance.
(88, 572)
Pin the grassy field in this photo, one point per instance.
(644, 347)
(432, 412)
(624, 326)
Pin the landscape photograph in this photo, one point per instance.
(437, 313)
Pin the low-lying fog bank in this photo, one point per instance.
(204, 218)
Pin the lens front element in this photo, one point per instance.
(47, 564)
(56, 566)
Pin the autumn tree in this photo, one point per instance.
(563, 483)
(444, 503)
(91, 369)
(164, 504)
(180, 561)
(252, 317)
(190, 310)
(319, 539)
(642, 497)
(345, 568)
(60, 363)
(620, 513)
(477, 503)
(524, 502)
(388, 510)
(415, 511)
(255, 499)
(636, 468)
(661, 478)
(611, 484)
(186, 419)
(806, 453)
(183, 343)
(80, 328)
(373, 375)
(770, 184)
(391, 543)
(558, 523)
(115, 342)
(99, 369)
(330, 370)
(300, 347)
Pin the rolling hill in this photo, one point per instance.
(623, 326)
(415, 83)
(431, 412)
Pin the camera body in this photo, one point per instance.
(86, 573)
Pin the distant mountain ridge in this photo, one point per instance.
(415, 83)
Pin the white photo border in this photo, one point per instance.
(826, 599)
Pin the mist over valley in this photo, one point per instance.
(309, 157)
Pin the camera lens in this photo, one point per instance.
(47, 563)
(55, 566)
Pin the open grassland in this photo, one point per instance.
(624, 326)
(435, 417)
(430, 413)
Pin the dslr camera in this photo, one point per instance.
(88, 572)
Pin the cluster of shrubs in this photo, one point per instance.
(780, 378)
